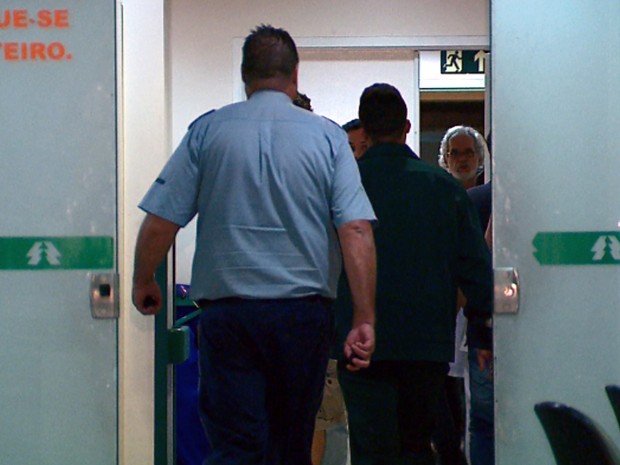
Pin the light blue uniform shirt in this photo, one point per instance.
(269, 182)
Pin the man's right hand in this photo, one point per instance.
(147, 298)
(154, 240)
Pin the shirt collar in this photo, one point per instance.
(389, 150)
(270, 94)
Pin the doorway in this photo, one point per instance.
(333, 77)
(440, 110)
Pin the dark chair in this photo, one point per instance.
(613, 392)
(574, 438)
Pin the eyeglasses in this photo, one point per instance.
(467, 153)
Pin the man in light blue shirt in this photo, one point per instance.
(278, 196)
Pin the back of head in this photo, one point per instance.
(352, 125)
(268, 52)
(383, 112)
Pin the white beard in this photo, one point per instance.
(468, 176)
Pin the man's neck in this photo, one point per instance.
(278, 84)
(469, 183)
(386, 140)
(395, 138)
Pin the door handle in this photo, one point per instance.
(506, 289)
(104, 295)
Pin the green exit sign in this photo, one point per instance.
(56, 253)
(463, 61)
(577, 248)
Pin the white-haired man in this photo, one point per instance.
(462, 153)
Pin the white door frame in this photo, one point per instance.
(144, 147)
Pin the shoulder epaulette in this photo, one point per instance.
(332, 121)
(200, 117)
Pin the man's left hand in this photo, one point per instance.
(485, 359)
(359, 346)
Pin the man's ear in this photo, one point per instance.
(295, 74)
(406, 129)
(291, 88)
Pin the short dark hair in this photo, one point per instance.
(383, 111)
(352, 125)
(268, 52)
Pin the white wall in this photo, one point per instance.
(202, 35)
(334, 79)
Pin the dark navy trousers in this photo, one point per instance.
(392, 408)
(262, 372)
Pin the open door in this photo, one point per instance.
(556, 114)
(58, 233)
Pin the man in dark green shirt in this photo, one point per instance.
(429, 243)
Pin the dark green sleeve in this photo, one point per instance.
(475, 275)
